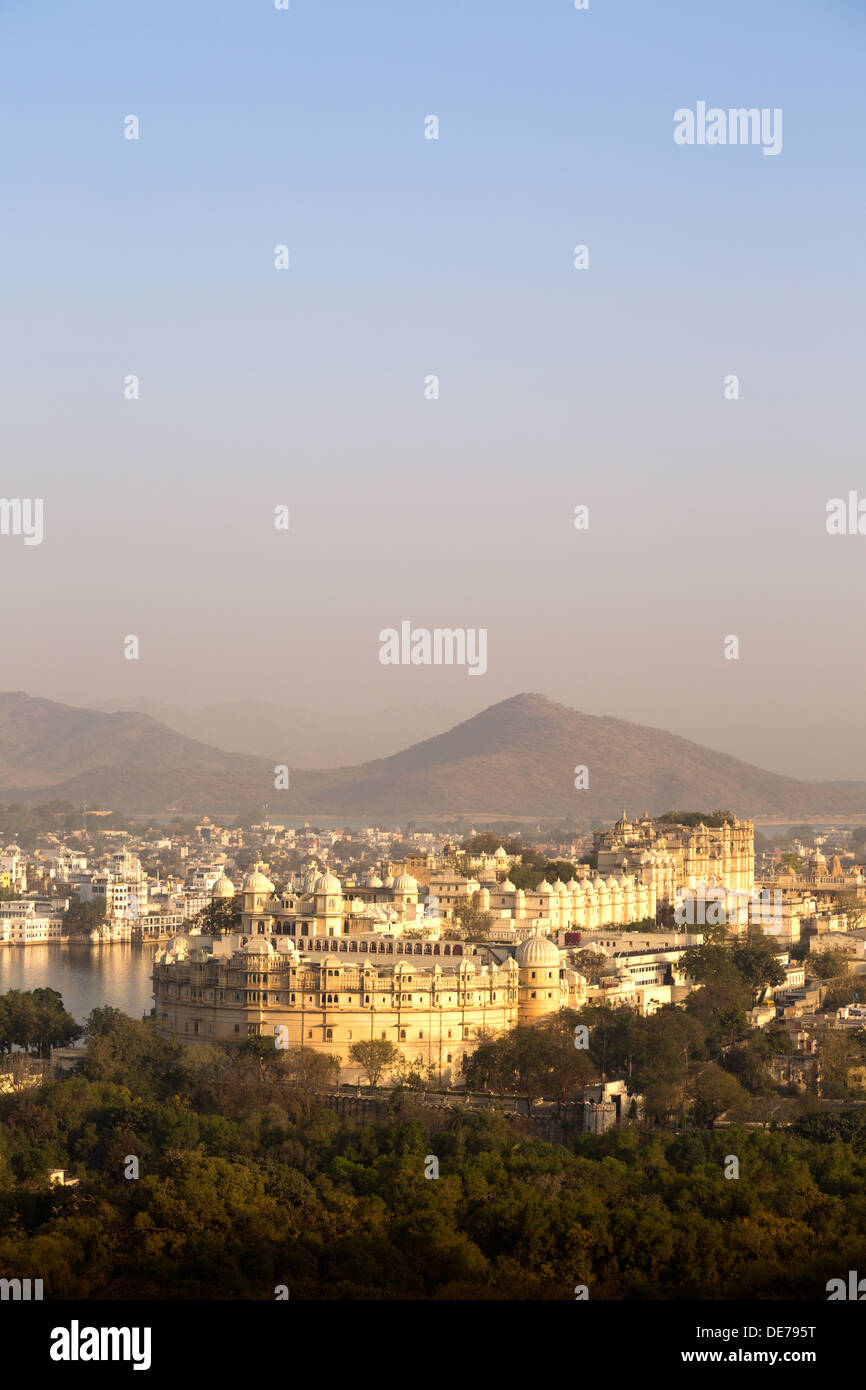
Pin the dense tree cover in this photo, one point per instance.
(82, 917)
(246, 1183)
(848, 1128)
(36, 1021)
(24, 824)
(488, 843)
(534, 868)
(745, 968)
(712, 819)
(827, 964)
(535, 1062)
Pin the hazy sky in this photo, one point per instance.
(454, 257)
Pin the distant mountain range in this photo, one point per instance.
(516, 758)
(281, 733)
(125, 762)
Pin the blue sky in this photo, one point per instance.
(452, 257)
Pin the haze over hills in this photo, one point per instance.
(123, 761)
(297, 733)
(516, 758)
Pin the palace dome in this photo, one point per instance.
(223, 888)
(406, 884)
(257, 883)
(507, 886)
(329, 883)
(537, 950)
(544, 887)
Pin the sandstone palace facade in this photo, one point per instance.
(680, 856)
(327, 977)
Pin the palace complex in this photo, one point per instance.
(330, 975)
(323, 967)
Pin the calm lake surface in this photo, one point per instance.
(86, 976)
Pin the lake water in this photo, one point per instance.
(87, 976)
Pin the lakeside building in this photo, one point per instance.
(22, 925)
(13, 869)
(120, 890)
(435, 999)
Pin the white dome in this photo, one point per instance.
(329, 883)
(223, 888)
(406, 884)
(257, 883)
(374, 881)
(507, 886)
(537, 950)
(544, 887)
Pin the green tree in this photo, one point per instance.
(591, 965)
(375, 1056)
(308, 1073)
(221, 916)
(713, 1090)
(81, 918)
(828, 964)
(490, 1066)
(474, 921)
(36, 1021)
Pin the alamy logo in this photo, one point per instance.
(21, 1290)
(846, 518)
(714, 907)
(76, 1343)
(855, 1290)
(736, 126)
(441, 646)
(22, 516)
